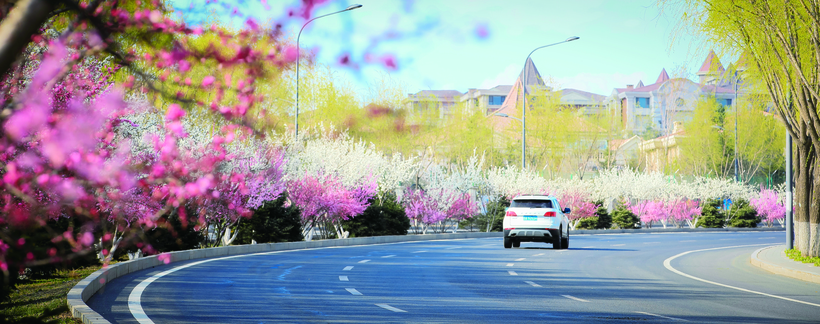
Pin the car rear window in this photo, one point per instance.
(531, 203)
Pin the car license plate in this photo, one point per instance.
(530, 218)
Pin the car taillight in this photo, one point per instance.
(511, 214)
(549, 214)
(509, 229)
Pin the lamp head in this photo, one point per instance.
(572, 38)
(355, 6)
(502, 115)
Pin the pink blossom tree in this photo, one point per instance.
(579, 205)
(323, 200)
(769, 206)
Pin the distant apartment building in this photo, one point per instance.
(439, 101)
(659, 105)
(486, 100)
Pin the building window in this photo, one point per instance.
(642, 102)
(497, 100)
(725, 102)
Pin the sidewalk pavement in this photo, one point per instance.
(774, 259)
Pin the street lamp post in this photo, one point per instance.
(737, 107)
(524, 103)
(298, 59)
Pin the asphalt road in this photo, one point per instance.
(601, 278)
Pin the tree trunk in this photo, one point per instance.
(16, 29)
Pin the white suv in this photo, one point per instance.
(536, 218)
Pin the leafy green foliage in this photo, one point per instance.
(385, 217)
(271, 223)
(587, 223)
(604, 219)
(743, 215)
(494, 216)
(176, 237)
(711, 215)
(44, 300)
(623, 217)
(795, 255)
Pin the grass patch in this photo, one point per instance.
(795, 255)
(43, 300)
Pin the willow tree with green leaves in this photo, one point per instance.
(780, 43)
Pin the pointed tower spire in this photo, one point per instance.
(711, 69)
(663, 77)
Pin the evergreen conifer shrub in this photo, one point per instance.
(271, 223)
(385, 217)
(711, 215)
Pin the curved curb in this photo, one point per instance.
(87, 287)
(781, 270)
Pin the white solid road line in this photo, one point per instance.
(388, 256)
(353, 291)
(520, 259)
(510, 264)
(364, 261)
(661, 316)
(418, 252)
(348, 268)
(539, 254)
(587, 247)
(668, 264)
(533, 284)
(391, 308)
(575, 298)
(512, 273)
(343, 278)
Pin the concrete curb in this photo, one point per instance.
(678, 230)
(782, 270)
(87, 287)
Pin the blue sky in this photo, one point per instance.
(437, 47)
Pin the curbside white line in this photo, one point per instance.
(668, 264)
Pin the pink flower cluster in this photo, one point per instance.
(656, 211)
(323, 197)
(432, 206)
(768, 206)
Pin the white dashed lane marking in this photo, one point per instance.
(575, 298)
(520, 259)
(510, 264)
(348, 268)
(512, 273)
(539, 254)
(343, 278)
(532, 284)
(661, 316)
(353, 291)
(388, 256)
(364, 261)
(391, 308)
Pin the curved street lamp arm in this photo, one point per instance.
(298, 59)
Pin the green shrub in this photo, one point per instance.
(604, 219)
(171, 235)
(624, 218)
(494, 217)
(711, 215)
(385, 217)
(271, 223)
(587, 223)
(795, 255)
(742, 214)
